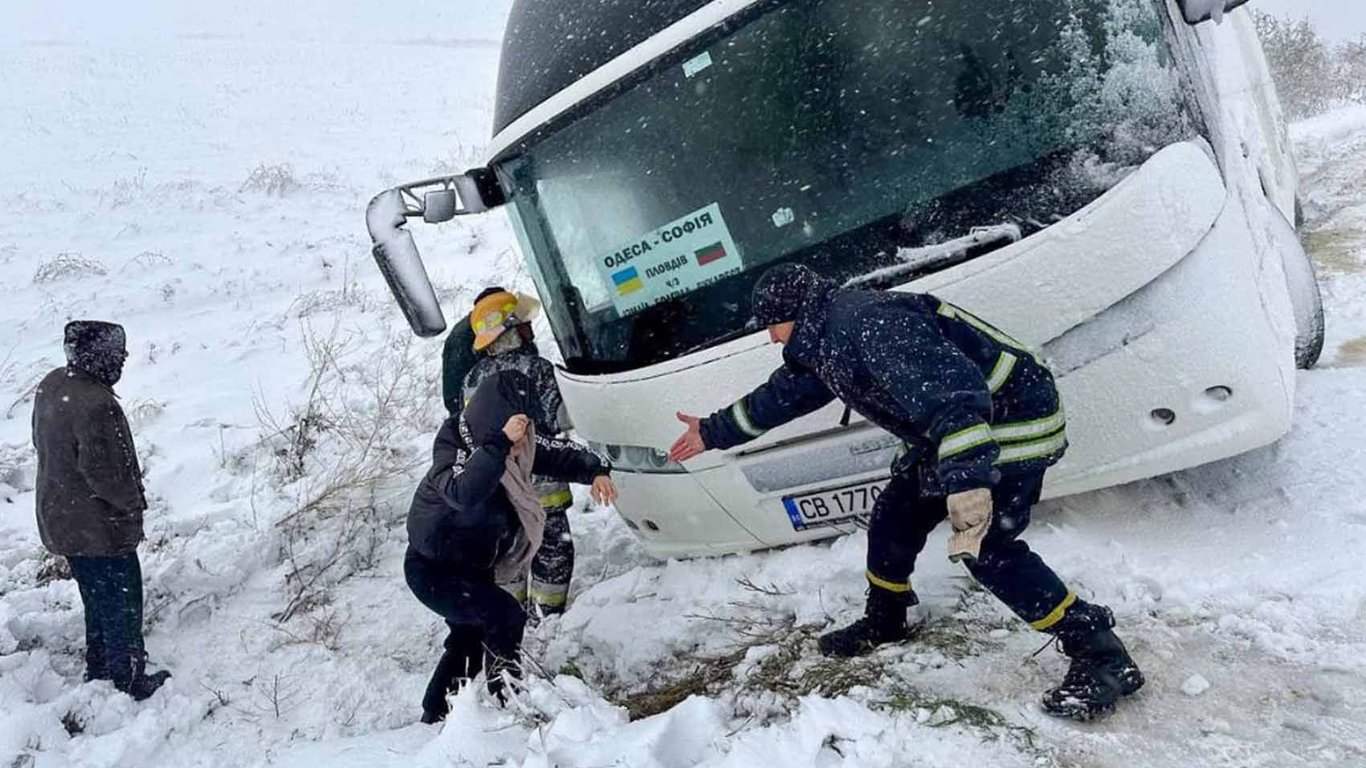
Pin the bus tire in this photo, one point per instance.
(1308, 305)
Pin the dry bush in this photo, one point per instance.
(68, 265)
(315, 302)
(334, 453)
(272, 179)
(148, 260)
(52, 568)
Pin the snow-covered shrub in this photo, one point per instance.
(148, 260)
(68, 265)
(271, 179)
(336, 457)
(1311, 74)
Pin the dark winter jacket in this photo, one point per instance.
(457, 358)
(90, 495)
(460, 514)
(967, 400)
(549, 413)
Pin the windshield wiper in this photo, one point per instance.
(932, 258)
(722, 339)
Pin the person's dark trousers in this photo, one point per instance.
(111, 592)
(462, 660)
(476, 610)
(902, 520)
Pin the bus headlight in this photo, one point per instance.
(638, 458)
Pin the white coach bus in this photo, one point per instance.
(1106, 180)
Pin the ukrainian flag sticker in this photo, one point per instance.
(627, 281)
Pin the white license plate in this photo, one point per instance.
(832, 507)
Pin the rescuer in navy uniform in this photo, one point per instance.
(981, 421)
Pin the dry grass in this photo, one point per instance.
(278, 180)
(68, 265)
(1353, 353)
(333, 454)
(1336, 251)
(792, 668)
(938, 712)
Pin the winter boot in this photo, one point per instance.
(133, 679)
(143, 686)
(502, 669)
(461, 662)
(884, 621)
(1101, 669)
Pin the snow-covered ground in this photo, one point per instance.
(207, 191)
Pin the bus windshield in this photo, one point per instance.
(837, 133)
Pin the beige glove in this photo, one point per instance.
(970, 515)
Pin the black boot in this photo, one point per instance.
(132, 678)
(884, 621)
(1101, 669)
(502, 669)
(143, 686)
(462, 660)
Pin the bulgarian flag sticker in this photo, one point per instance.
(713, 252)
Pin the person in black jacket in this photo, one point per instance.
(475, 518)
(504, 341)
(90, 500)
(980, 420)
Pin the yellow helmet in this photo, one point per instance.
(498, 312)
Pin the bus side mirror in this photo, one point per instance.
(395, 252)
(1197, 11)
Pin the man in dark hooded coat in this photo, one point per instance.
(980, 420)
(475, 517)
(90, 500)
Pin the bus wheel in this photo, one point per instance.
(1305, 299)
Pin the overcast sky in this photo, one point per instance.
(105, 20)
(1335, 19)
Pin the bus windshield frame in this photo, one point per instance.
(837, 136)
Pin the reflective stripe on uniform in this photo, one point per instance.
(561, 498)
(1033, 450)
(964, 440)
(742, 420)
(948, 310)
(890, 586)
(552, 596)
(1034, 429)
(1005, 364)
(1055, 615)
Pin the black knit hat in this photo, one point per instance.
(779, 294)
(489, 291)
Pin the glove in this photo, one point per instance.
(970, 516)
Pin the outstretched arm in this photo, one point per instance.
(791, 392)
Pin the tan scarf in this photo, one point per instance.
(522, 493)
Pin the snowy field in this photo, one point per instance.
(207, 192)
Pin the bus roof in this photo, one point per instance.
(550, 44)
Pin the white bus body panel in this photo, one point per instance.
(1131, 301)
(1168, 286)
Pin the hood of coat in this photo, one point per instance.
(498, 398)
(812, 312)
(97, 349)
